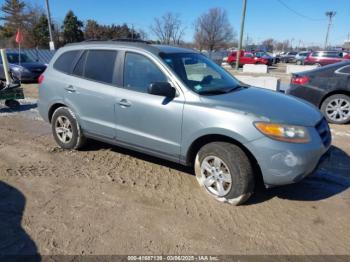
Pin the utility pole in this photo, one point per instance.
(132, 31)
(241, 34)
(52, 43)
(330, 15)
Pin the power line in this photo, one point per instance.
(297, 13)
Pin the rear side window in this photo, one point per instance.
(345, 70)
(99, 65)
(65, 62)
(80, 66)
(332, 54)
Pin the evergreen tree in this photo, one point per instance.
(14, 17)
(41, 34)
(72, 28)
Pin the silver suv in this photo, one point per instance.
(178, 105)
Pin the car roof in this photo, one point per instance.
(155, 49)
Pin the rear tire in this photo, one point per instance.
(336, 109)
(13, 104)
(225, 172)
(66, 129)
(233, 65)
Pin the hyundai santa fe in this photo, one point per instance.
(176, 104)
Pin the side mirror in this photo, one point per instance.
(162, 89)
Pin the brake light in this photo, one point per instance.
(300, 80)
(41, 79)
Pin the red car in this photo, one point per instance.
(321, 58)
(245, 58)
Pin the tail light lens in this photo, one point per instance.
(300, 80)
(41, 79)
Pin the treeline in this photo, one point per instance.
(212, 29)
(33, 24)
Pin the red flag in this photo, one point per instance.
(19, 37)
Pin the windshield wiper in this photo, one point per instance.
(220, 91)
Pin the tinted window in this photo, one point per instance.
(80, 66)
(248, 55)
(140, 72)
(345, 70)
(315, 54)
(99, 65)
(332, 54)
(65, 62)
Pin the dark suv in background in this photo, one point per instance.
(322, 58)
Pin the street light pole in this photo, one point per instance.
(52, 43)
(241, 34)
(330, 15)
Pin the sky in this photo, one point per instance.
(305, 24)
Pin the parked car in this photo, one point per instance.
(321, 58)
(328, 88)
(288, 57)
(245, 58)
(300, 57)
(178, 105)
(270, 59)
(22, 67)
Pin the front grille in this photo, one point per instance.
(325, 133)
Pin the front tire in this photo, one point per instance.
(225, 172)
(336, 109)
(66, 130)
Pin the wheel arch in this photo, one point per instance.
(335, 92)
(53, 108)
(205, 139)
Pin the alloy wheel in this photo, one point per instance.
(338, 109)
(216, 176)
(63, 128)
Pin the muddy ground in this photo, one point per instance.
(108, 200)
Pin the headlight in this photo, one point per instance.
(285, 133)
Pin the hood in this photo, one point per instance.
(268, 105)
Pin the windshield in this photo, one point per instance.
(14, 58)
(200, 74)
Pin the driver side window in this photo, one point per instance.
(140, 72)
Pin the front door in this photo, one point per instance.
(147, 122)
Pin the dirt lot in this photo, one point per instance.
(107, 200)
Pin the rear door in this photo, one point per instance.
(91, 91)
(148, 122)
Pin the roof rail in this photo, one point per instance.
(131, 40)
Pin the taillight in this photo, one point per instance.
(300, 80)
(41, 79)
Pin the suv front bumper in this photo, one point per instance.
(284, 163)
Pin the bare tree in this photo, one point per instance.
(213, 29)
(168, 28)
(269, 44)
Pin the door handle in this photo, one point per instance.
(70, 89)
(124, 103)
